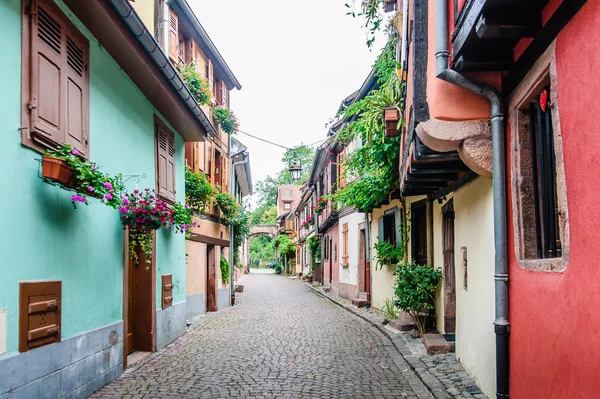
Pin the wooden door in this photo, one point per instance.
(130, 309)
(449, 269)
(211, 284)
(330, 261)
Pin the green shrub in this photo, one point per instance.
(278, 269)
(198, 190)
(224, 269)
(226, 119)
(415, 290)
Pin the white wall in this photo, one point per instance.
(349, 274)
(473, 229)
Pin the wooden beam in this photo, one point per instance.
(469, 177)
(208, 240)
(488, 30)
(563, 14)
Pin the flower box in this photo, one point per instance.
(391, 116)
(58, 170)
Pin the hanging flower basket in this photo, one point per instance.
(58, 170)
(391, 116)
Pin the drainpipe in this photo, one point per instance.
(501, 322)
(165, 26)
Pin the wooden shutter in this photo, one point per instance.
(212, 164)
(165, 155)
(189, 155)
(167, 290)
(173, 37)
(224, 95)
(196, 165)
(218, 92)
(225, 174)
(345, 244)
(39, 314)
(59, 86)
(211, 76)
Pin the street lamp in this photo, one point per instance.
(296, 171)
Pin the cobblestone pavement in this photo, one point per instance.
(280, 340)
(443, 374)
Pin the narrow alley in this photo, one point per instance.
(272, 344)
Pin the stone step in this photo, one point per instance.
(435, 344)
(402, 325)
(359, 303)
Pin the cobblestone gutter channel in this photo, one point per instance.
(443, 375)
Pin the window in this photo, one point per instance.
(55, 81)
(419, 232)
(345, 256)
(539, 197)
(543, 171)
(287, 206)
(165, 161)
(390, 226)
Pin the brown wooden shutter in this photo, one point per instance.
(39, 314)
(212, 164)
(173, 37)
(224, 95)
(189, 154)
(218, 95)
(167, 290)
(196, 166)
(59, 87)
(345, 244)
(211, 77)
(225, 174)
(165, 155)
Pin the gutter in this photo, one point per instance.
(501, 322)
(208, 42)
(160, 60)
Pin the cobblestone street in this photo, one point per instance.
(280, 340)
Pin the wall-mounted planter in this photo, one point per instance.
(58, 170)
(391, 116)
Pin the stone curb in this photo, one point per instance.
(434, 386)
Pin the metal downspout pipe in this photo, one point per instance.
(501, 322)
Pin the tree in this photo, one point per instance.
(261, 251)
(264, 214)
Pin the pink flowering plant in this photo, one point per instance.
(143, 213)
(90, 181)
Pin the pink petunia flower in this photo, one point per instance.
(108, 197)
(108, 185)
(91, 189)
(75, 152)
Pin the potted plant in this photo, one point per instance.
(226, 119)
(142, 212)
(66, 167)
(309, 277)
(391, 116)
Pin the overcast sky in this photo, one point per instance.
(296, 61)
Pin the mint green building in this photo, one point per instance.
(89, 73)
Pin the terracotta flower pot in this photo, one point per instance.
(310, 279)
(57, 170)
(391, 117)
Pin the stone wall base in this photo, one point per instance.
(195, 305)
(75, 367)
(170, 324)
(223, 298)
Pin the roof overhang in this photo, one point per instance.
(487, 32)
(119, 30)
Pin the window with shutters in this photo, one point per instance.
(55, 80)
(165, 161)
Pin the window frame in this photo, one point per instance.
(543, 74)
